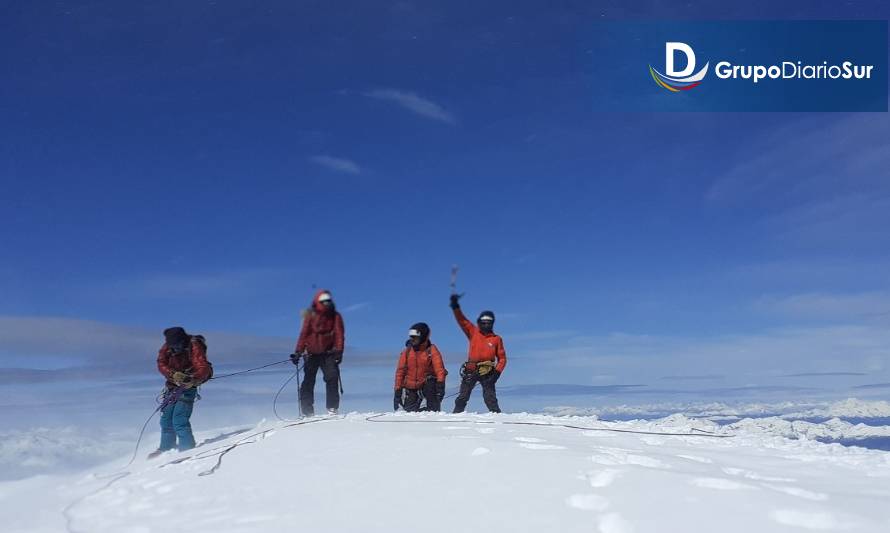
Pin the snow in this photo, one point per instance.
(365, 472)
(850, 408)
(26, 453)
(833, 429)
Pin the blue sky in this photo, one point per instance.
(206, 165)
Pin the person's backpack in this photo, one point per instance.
(200, 338)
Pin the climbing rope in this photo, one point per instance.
(376, 418)
(249, 370)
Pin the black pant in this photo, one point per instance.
(413, 397)
(488, 392)
(331, 372)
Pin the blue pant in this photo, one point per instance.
(175, 422)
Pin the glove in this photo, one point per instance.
(338, 356)
(295, 359)
(397, 400)
(440, 390)
(454, 303)
(180, 377)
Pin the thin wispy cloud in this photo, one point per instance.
(41, 349)
(356, 307)
(741, 358)
(811, 160)
(337, 164)
(207, 284)
(816, 181)
(845, 306)
(414, 103)
(542, 335)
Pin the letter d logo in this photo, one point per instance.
(670, 50)
(673, 80)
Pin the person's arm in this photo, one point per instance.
(501, 355)
(400, 370)
(165, 370)
(339, 334)
(468, 327)
(438, 364)
(304, 335)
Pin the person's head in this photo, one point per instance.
(418, 334)
(177, 339)
(485, 321)
(324, 301)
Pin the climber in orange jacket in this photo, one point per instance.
(486, 358)
(420, 373)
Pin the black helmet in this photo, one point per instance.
(420, 329)
(485, 321)
(176, 339)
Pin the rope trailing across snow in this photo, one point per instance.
(241, 442)
(702, 433)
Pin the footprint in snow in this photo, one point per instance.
(602, 434)
(619, 457)
(719, 484)
(614, 523)
(140, 506)
(697, 459)
(602, 478)
(533, 446)
(816, 520)
(754, 475)
(528, 439)
(587, 502)
(255, 519)
(799, 492)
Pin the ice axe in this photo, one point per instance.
(454, 281)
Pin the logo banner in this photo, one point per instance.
(740, 66)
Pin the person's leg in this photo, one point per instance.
(168, 434)
(429, 392)
(489, 394)
(307, 388)
(412, 400)
(182, 413)
(331, 371)
(466, 387)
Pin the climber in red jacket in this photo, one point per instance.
(321, 345)
(486, 358)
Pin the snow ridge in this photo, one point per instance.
(519, 472)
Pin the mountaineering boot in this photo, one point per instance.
(155, 453)
(332, 411)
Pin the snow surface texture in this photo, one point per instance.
(848, 408)
(66, 449)
(466, 473)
